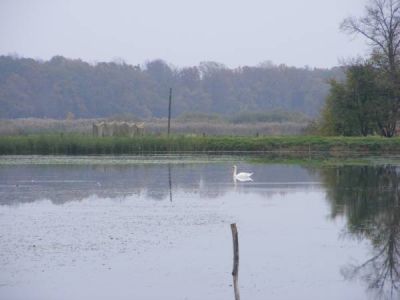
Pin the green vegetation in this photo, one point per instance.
(368, 101)
(296, 146)
(351, 106)
(364, 104)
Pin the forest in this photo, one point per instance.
(63, 88)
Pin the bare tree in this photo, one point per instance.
(380, 25)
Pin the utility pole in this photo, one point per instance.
(169, 110)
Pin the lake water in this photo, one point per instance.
(159, 228)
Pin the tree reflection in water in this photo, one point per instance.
(369, 197)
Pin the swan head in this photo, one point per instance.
(234, 170)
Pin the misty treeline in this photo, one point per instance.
(368, 100)
(64, 88)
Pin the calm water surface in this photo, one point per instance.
(158, 228)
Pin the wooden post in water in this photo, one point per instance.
(170, 182)
(169, 110)
(235, 271)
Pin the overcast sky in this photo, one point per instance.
(182, 32)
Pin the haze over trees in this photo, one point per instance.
(368, 101)
(65, 88)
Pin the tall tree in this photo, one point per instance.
(380, 25)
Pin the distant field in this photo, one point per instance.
(154, 126)
(294, 146)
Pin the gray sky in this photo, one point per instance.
(182, 32)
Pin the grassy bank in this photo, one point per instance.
(296, 145)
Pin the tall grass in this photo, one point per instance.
(75, 144)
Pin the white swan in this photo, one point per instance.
(242, 176)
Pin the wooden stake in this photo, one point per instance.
(235, 271)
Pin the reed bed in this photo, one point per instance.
(153, 126)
